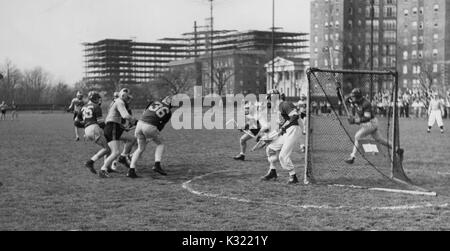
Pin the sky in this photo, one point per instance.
(50, 33)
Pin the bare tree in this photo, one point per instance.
(222, 76)
(35, 82)
(10, 82)
(179, 81)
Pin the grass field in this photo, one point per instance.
(46, 187)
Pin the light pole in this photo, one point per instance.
(212, 48)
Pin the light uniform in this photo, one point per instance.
(77, 105)
(114, 128)
(436, 107)
(91, 113)
(286, 144)
(153, 121)
(252, 119)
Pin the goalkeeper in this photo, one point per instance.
(369, 124)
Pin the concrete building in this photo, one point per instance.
(408, 36)
(235, 72)
(290, 76)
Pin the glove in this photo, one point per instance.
(102, 125)
(283, 131)
(351, 120)
(258, 139)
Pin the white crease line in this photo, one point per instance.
(186, 185)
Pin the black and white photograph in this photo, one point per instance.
(232, 116)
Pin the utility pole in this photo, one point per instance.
(195, 39)
(273, 42)
(212, 48)
(372, 29)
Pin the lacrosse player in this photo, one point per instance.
(91, 115)
(114, 130)
(76, 105)
(368, 122)
(251, 130)
(435, 112)
(14, 114)
(282, 147)
(3, 108)
(152, 122)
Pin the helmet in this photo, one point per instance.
(94, 97)
(303, 97)
(125, 95)
(80, 94)
(356, 94)
(283, 97)
(167, 101)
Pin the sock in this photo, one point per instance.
(242, 154)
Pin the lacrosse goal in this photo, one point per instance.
(331, 138)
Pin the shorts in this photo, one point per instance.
(3, 112)
(93, 132)
(255, 132)
(113, 131)
(145, 131)
(75, 115)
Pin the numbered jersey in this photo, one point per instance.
(77, 105)
(91, 113)
(157, 114)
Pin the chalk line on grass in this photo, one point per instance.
(187, 186)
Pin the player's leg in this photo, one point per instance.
(159, 152)
(113, 133)
(243, 144)
(362, 133)
(292, 138)
(140, 135)
(129, 142)
(439, 121)
(431, 121)
(272, 152)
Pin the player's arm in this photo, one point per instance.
(164, 122)
(293, 119)
(72, 106)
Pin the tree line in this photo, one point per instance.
(32, 86)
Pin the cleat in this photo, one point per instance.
(77, 139)
(293, 180)
(159, 170)
(429, 131)
(240, 157)
(124, 161)
(90, 166)
(110, 170)
(272, 175)
(350, 161)
(132, 174)
(103, 174)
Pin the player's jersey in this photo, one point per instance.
(157, 114)
(3, 108)
(116, 112)
(286, 108)
(436, 105)
(362, 108)
(91, 113)
(77, 105)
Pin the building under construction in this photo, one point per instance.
(130, 62)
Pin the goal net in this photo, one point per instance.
(331, 137)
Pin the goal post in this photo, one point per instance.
(331, 138)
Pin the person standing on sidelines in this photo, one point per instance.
(3, 108)
(290, 133)
(435, 112)
(14, 114)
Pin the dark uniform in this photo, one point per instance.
(157, 114)
(91, 113)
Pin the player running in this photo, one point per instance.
(76, 105)
(290, 133)
(3, 108)
(368, 122)
(302, 107)
(435, 112)
(114, 130)
(252, 129)
(152, 122)
(92, 118)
